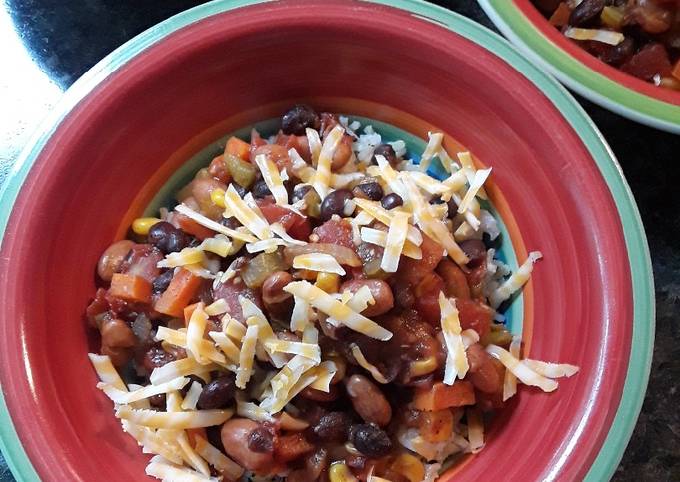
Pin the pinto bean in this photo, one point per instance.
(381, 291)
(116, 333)
(235, 435)
(112, 259)
(368, 401)
(483, 373)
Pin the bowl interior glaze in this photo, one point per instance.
(121, 143)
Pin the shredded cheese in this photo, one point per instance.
(169, 472)
(477, 182)
(174, 420)
(475, 426)
(308, 350)
(246, 356)
(178, 368)
(300, 318)
(272, 178)
(266, 245)
(189, 402)
(321, 300)
(456, 360)
(252, 411)
(217, 307)
(246, 215)
(195, 332)
(182, 258)
(551, 370)
(434, 145)
(206, 350)
(510, 380)
(515, 281)
(521, 370)
(376, 211)
(320, 262)
(379, 238)
(322, 177)
(366, 365)
(225, 344)
(106, 371)
(218, 244)
(315, 145)
(210, 224)
(124, 397)
(394, 244)
(598, 35)
(223, 464)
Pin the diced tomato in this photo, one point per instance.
(130, 288)
(291, 447)
(650, 60)
(561, 15)
(474, 315)
(230, 293)
(299, 143)
(427, 297)
(275, 152)
(442, 396)
(190, 226)
(97, 307)
(255, 141)
(237, 147)
(413, 270)
(182, 289)
(218, 170)
(294, 224)
(335, 232)
(141, 261)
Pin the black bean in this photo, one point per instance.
(261, 440)
(168, 238)
(156, 357)
(368, 190)
(261, 190)
(334, 203)
(300, 191)
(370, 440)
(231, 223)
(192, 379)
(453, 208)
(618, 54)
(332, 427)
(218, 393)
(215, 436)
(161, 283)
(392, 201)
(158, 401)
(387, 151)
(586, 12)
(475, 250)
(297, 119)
(242, 191)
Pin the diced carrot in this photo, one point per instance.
(130, 287)
(190, 226)
(188, 311)
(676, 70)
(290, 447)
(561, 16)
(192, 433)
(237, 147)
(182, 289)
(442, 396)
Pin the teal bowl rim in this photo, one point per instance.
(640, 357)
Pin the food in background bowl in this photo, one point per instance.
(316, 306)
(640, 37)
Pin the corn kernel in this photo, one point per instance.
(141, 226)
(612, 17)
(419, 368)
(329, 282)
(409, 466)
(217, 197)
(339, 472)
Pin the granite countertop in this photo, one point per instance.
(47, 44)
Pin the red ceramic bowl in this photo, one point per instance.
(141, 113)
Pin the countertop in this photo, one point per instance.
(45, 45)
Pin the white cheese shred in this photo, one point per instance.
(456, 360)
(320, 262)
(515, 281)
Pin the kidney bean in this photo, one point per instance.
(368, 401)
(261, 440)
(618, 54)
(298, 118)
(272, 288)
(319, 395)
(235, 433)
(218, 393)
(156, 357)
(381, 291)
(119, 355)
(483, 373)
(261, 190)
(370, 440)
(112, 259)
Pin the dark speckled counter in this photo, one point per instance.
(46, 44)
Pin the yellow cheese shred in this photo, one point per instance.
(366, 365)
(510, 380)
(324, 302)
(246, 357)
(322, 178)
(515, 281)
(210, 224)
(223, 464)
(521, 370)
(106, 371)
(394, 244)
(456, 360)
(320, 262)
(174, 420)
(246, 215)
(272, 177)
